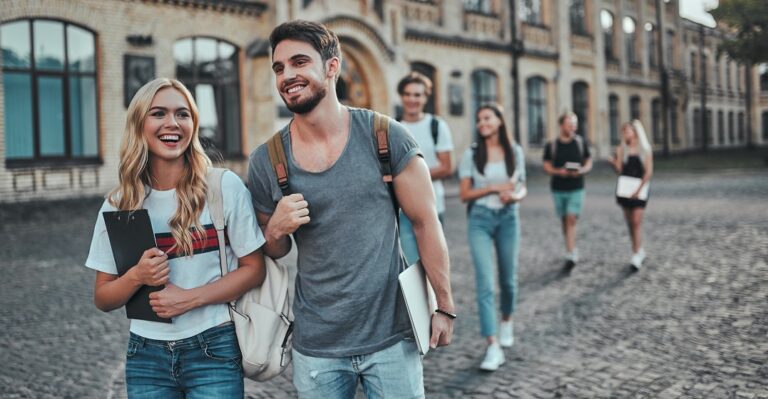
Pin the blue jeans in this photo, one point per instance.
(499, 228)
(207, 365)
(393, 372)
(408, 239)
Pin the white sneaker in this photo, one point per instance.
(573, 256)
(638, 258)
(506, 338)
(494, 357)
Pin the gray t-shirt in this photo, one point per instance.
(347, 295)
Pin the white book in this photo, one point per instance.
(627, 185)
(421, 303)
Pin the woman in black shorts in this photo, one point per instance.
(634, 158)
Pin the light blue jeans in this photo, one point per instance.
(207, 365)
(393, 372)
(490, 228)
(408, 239)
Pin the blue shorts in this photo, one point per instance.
(568, 202)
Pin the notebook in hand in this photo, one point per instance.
(627, 185)
(420, 302)
(130, 234)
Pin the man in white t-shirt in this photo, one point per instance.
(434, 138)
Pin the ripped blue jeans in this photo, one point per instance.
(393, 372)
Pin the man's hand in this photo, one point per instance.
(170, 302)
(291, 212)
(442, 330)
(152, 269)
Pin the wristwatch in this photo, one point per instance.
(447, 314)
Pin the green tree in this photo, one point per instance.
(747, 20)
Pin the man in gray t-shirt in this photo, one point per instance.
(341, 216)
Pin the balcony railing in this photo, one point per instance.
(428, 12)
(483, 24)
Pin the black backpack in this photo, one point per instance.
(433, 125)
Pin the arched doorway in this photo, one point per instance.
(361, 82)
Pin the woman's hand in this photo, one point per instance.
(172, 301)
(152, 268)
(502, 187)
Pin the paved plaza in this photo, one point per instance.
(693, 323)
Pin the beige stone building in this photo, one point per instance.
(70, 68)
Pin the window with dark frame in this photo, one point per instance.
(49, 70)
(613, 118)
(630, 40)
(673, 122)
(741, 127)
(536, 88)
(606, 22)
(650, 31)
(581, 107)
(656, 121)
(765, 125)
(720, 128)
(634, 108)
(696, 127)
(710, 128)
(210, 69)
(530, 12)
(731, 132)
(578, 16)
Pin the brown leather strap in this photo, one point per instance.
(279, 161)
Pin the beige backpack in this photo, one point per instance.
(263, 316)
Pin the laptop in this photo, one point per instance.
(420, 301)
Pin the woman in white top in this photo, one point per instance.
(163, 170)
(634, 158)
(492, 175)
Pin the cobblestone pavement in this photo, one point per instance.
(693, 323)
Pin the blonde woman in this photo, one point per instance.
(634, 158)
(163, 169)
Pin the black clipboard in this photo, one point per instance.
(130, 234)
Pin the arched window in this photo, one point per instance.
(693, 72)
(530, 11)
(483, 88)
(49, 80)
(428, 71)
(650, 32)
(210, 68)
(578, 16)
(606, 22)
(710, 128)
(634, 108)
(656, 121)
(630, 39)
(581, 107)
(613, 118)
(673, 122)
(536, 88)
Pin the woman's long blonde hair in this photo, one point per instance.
(642, 141)
(135, 177)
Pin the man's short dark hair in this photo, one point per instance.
(415, 77)
(322, 39)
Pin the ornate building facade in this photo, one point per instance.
(70, 68)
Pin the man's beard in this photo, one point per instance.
(307, 105)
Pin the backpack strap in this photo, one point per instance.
(215, 199)
(435, 124)
(381, 131)
(580, 145)
(279, 161)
